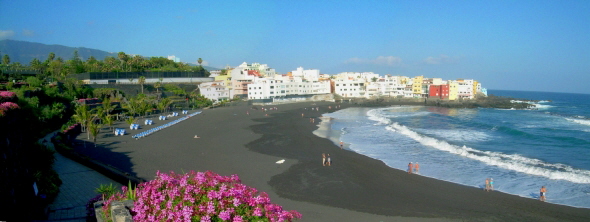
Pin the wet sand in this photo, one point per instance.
(354, 188)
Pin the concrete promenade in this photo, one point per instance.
(79, 183)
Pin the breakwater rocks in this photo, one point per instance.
(480, 102)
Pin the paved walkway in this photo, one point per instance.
(79, 183)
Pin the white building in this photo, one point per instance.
(465, 88)
(215, 91)
(247, 71)
(174, 58)
(215, 73)
(350, 87)
(281, 86)
(309, 74)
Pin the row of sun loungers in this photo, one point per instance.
(158, 128)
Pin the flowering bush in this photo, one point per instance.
(201, 196)
(88, 101)
(7, 106)
(7, 94)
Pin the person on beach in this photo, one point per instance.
(410, 168)
(196, 137)
(302, 115)
(329, 161)
(416, 167)
(491, 184)
(341, 145)
(487, 184)
(247, 113)
(542, 194)
(323, 159)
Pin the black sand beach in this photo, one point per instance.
(354, 188)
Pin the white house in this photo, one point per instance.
(215, 91)
(247, 71)
(309, 74)
(465, 88)
(282, 86)
(350, 87)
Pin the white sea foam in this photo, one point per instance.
(459, 135)
(513, 162)
(376, 115)
(542, 106)
(579, 121)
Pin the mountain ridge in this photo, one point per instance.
(24, 52)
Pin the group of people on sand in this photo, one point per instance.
(326, 161)
(490, 186)
(413, 168)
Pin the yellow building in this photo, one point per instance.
(475, 83)
(226, 79)
(417, 86)
(453, 90)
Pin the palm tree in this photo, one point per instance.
(200, 61)
(163, 104)
(157, 85)
(83, 116)
(51, 56)
(141, 81)
(108, 120)
(130, 120)
(94, 129)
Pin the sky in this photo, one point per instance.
(506, 45)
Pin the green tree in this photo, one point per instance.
(51, 56)
(6, 59)
(130, 120)
(374, 79)
(109, 121)
(141, 81)
(83, 116)
(133, 106)
(157, 85)
(164, 104)
(200, 61)
(34, 82)
(94, 129)
(201, 101)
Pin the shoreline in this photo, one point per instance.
(355, 188)
(325, 130)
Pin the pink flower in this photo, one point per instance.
(7, 94)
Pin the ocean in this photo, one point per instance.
(521, 150)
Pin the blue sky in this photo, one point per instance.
(512, 45)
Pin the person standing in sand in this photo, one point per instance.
(416, 167)
(487, 184)
(341, 145)
(491, 184)
(410, 168)
(329, 161)
(542, 196)
(323, 159)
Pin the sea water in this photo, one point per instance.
(521, 150)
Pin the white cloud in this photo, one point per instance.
(381, 60)
(28, 33)
(4, 34)
(442, 59)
